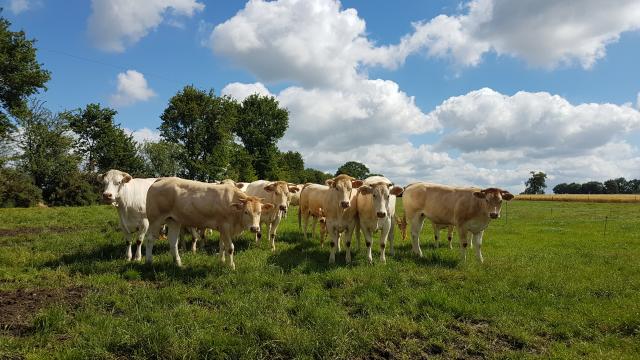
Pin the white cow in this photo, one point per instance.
(276, 193)
(129, 196)
(339, 206)
(376, 203)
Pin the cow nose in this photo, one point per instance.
(255, 229)
(344, 204)
(283, 208)
(493, 215)
(381, 214)
(107, 196)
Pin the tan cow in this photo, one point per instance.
(340, 208)
(294, 197)
(276, 193)
(311, 202)
(179, 202)
(468, 209)
(376, 210)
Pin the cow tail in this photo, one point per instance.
(299, 217)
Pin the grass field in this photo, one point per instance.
(597, 198)
(555, 283)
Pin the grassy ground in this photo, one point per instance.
(555, 283)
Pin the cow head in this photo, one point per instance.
(113, 181)
(380, 193)
(250, 208)
(493, 198)
(279, 191)
(342, 185)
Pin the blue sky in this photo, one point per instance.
(469, 93)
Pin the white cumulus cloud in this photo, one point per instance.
(144, 135)
(240, 91)
(116, 24)
(19, 6)
(132, 87)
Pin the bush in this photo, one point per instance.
(17, 189)
(79, 189)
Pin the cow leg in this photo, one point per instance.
(141, 234)
(221, 250)
(273, 231)
(228, 244)
(477, 240)
(174, 237)
(339, 241)
(416, 228)
(357, 231)
(367, 240)
(463, 235)
(127, 240)
(152, 234)
(305, 221)
(334, 243)
(386, 227)
(347, 243)
(314, 221)
(392, 233)
(436, 234)
(195, 234)
(450, 235)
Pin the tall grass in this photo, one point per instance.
(554, 284)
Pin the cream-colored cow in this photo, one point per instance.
(276, 193)
(468, 209)
(311, 202)
(179, 202)
(340, 208)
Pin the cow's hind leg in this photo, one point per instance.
(416, 228)
(464, 242)
(174, 236)
(477, 243)
(195, 235)
(450, 235)
(152, 235)
(228, 245)
(436, 234)
(141, 234)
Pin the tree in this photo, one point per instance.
(536, 183)
(17, 189)
(592, 187)
(564, 188)
(20, 75)
(240, 167)
(161, 158)
(291, 167)
(201, 123)
(261, 123)
(315, 176)
(354, 169)
(105, 145)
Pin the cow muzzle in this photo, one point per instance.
(255, 229)
(283, 208)
(107, 197)
(381, 214)
(494, 215)
(344, 204)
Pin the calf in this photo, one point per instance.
(223, 208)
(276, 193)
(129, 197)
(376, 210)
(469, 210)
(339, 205)
(311, 202)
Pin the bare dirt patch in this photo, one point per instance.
(20, 306)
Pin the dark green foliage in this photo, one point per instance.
(17, 189)
(240, 165)
(291, 167)
(536, 183)
(161, 158)
(354, 169)
(612, 186)
(103, 143)
(261, 123)
(592, 187)
(201, 123)
(20, 75)
(315, 176)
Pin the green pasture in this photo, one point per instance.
(560, 280)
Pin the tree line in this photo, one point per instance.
(54, 157)
(611, 186)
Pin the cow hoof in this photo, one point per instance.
(233, 266)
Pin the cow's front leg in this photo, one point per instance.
(477, 243)
(436, 234)
(386, 227)
(195, 235)
(273, 230)
(127, 240)
(221, 250)
(139, 241)
(152, 234)
(392, 233)
(416, 228)
(464, 237)
(228, 244)
(347, 242)
(334, 243)
(367, 241)
(174, 237)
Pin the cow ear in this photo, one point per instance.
(271, 187)
(479, 194)
(126, 178)
(365, 190)
(293, 189)
(237, 205)
(239, 186)
(396, 190)
(329, 182)
(507, 195)
(267, 206)
(356, 183)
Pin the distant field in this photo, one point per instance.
(560, 280)
(614, 198)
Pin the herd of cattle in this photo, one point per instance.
(343, 205)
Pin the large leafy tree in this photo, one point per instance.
(354, 169)
(103, 143)
(261, 123)
(291, 166)
(241, 165)
(20, 75)
(201, 123)
(161, 158)
(536, 183)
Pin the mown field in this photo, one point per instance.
(557, 282)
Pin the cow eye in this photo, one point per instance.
(246, 212)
